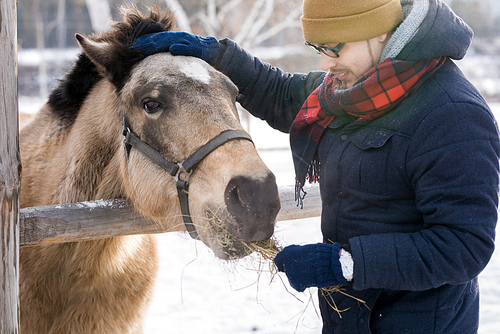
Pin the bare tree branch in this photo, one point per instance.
(180, 14)
(246, 26)
(226, 8)
(249, 23)
(100, 14)
(291, 21)
(212, 14)
(263, 19)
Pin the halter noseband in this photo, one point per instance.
(185, 167)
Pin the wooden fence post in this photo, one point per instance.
(10, 170)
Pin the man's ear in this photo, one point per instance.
(383, 37)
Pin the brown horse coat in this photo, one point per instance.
(73, 151)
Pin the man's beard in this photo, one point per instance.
(341, 85)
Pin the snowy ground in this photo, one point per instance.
(197, 293)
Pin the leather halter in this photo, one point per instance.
(185, 167)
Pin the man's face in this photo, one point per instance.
(354, 60)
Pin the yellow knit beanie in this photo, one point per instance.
(346, 21)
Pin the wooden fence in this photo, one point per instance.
(10, 171)
(68, 222)
(111, 218)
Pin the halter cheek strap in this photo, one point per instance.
(176, 169)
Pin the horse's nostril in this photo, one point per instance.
(233, 198)
(254, 203)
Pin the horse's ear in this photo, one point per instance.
(98, 52)
(113, 59)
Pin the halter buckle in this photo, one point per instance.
(182, 171)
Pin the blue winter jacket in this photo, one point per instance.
(413, 194)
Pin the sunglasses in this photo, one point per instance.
(330, 52)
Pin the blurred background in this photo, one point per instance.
(270, 29)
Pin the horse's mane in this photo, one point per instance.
(65, 100)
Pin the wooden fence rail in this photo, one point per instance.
(111, 218)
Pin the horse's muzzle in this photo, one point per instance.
(254, 203)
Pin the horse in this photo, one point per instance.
(112, 128)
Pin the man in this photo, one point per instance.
(405, 151)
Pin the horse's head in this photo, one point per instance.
(176, 105)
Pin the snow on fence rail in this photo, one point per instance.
(110, 218)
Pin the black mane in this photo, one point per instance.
(66, 99)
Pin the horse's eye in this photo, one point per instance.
(151, 106)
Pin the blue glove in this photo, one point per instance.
(179, 43)
(311, 265)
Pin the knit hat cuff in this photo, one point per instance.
(353, 28)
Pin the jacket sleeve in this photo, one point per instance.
(266, 91)
(453, 164)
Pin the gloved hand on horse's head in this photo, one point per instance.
(179, 43)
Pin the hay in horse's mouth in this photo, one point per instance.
(236, 248)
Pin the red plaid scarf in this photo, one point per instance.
(382, 89)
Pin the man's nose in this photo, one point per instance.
(327, 62)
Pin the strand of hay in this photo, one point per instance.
(328, 292)
(266, 251)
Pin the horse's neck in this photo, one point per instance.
(94, 147)
(79, 163)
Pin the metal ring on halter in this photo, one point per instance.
(182, 170)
